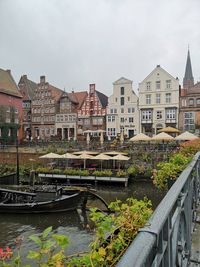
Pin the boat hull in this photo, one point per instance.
(62, 203)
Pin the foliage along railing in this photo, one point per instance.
(114, 233)
(166, 238)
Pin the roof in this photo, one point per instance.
(158, 67)
(122, 80)
(188, 70)
(8, 84)
(56, 93)
(79, 96)
(103, 99)
(76, 97)
(27, 87)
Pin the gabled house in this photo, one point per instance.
(67, 114)
(158, 101)
(10, 108)
(122, 110)
(44, 110)
(27, 90)
(189, 116)
(92, 113)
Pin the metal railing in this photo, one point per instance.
(166, 238)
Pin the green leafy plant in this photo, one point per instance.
(114, 233)
(121, 173)
(102, 173)
(169, 170)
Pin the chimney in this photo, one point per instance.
(42, 79)
(9, 71)
(92, 88)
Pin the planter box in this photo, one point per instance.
(73, 176)
(59, 176)
(88, 178)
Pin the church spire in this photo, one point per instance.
(188, 79)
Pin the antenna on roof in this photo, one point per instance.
(72, 90)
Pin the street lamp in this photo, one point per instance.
(17, 160)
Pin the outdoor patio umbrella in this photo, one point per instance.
(68, 156)
(120, 157)
(140, 137)
(102, 157)
(85, 152)
(169, 129)
(162, 137)
(85, 156)
(114, 153)
(51, 156)
(186, 136)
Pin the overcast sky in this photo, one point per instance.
(78, 42)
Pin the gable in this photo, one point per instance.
(160, 70)
(122, 80)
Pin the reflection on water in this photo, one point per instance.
(71, 224)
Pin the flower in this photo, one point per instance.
(5, 254)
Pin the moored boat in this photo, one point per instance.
(13, 201)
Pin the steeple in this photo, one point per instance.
(188, 79)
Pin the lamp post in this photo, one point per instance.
(17, 160)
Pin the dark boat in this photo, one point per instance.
(13, 201)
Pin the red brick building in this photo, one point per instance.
(92, 113)
(10, 108)
(44, 109)
(189, 116)
(27, 90)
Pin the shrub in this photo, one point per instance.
(102, 173)
(121, 173)
(169, 170)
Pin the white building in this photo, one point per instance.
(158, 101)
(122, 110)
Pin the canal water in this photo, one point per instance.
(73, 224)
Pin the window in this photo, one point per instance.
(122, 119)
(115, 110)
(158, 85)
(131, 110)
(146, 115)
(111, 118)
(122, 90)
(168, 98)
(168, 84)
(131, 119)
(170, 114)
(128, 98)
(159, 114)
(122, 110)
(122, 101)
(198, 101)
(115, 99)
(148, 86)
(191, 102)
(111, 132)
(189, 121)
(157, 98)
(148, 99)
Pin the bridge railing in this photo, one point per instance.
(166, 238)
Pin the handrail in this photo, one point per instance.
(166, 239)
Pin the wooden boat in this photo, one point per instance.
(13, 201)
